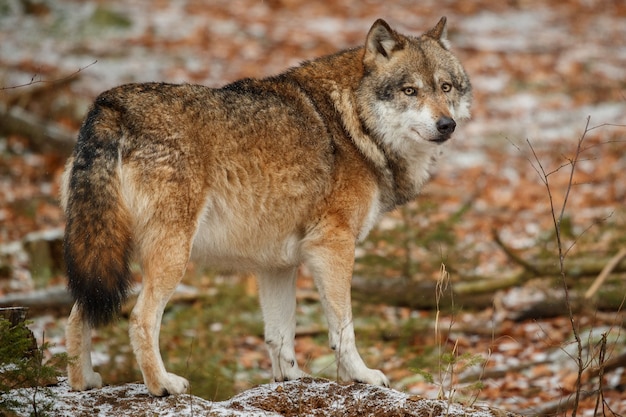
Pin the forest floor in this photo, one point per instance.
(544, 75)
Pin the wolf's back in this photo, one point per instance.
(98, 241)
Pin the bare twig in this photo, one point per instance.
(581, 234)
(610, 365)
(604, 125)
(557, 217)
(34, 81)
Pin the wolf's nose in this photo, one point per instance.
(446, 125)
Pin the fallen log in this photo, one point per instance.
(44, 136)
(58, 301)
(544, 301)
(405, 292)
(54, 300)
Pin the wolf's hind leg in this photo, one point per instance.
(163, 268)
(78, 342)
(277, 293)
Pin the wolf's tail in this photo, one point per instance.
(98, 241)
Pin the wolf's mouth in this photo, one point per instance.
(441, 139)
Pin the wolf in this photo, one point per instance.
(261, 175)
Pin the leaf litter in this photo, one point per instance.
(538, 70)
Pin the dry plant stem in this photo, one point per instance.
(188, 373)
(451, 365)
(442, 285)
(557, 219)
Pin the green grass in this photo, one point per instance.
(415, 245)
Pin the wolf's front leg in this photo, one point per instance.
(277, 293)
(331, 266)
(350, 365)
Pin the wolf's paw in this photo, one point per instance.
(94, 380)
(84, 382)
(292, 375)
(372, 376)
(172, 384)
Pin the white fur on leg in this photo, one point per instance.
(78, 342)
(332, 277)
(349, 363)
(277, 293)
(144, 329)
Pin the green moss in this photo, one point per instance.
(106, 18)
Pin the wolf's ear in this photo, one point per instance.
(381, 42)
(440, 33)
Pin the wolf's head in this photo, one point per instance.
(414, 89)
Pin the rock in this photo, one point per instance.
(305, 397)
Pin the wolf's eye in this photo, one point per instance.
(410, 91)
(446, 87)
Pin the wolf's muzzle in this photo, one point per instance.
(446, 125)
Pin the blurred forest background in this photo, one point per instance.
(481, 237)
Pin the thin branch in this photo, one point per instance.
(540, 171)
(604, 125)
(557, 220)
(563, 274)
(567, 164)
(600, 398)
(606, 142)
(574, 162)
(33, 81)
(581, 234)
